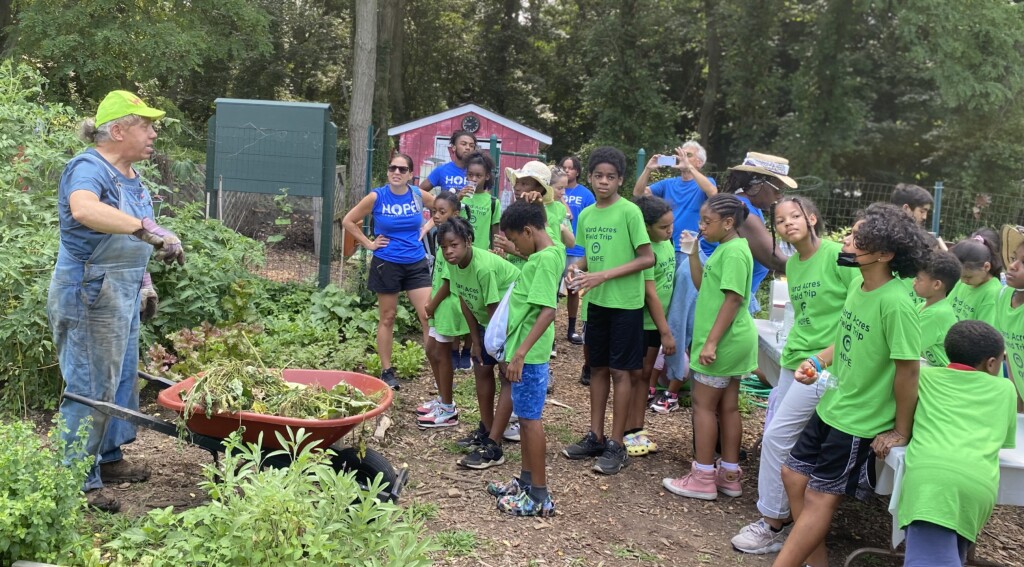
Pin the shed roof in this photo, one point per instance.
(476, 109)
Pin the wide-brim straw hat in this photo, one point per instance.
(537, 170)
(1012, 237)
(765, 164)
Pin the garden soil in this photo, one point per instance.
(626, 519)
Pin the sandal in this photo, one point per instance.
(634, 448)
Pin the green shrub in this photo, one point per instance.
(306, 514)
(41, 498)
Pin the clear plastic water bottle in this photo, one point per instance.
(827, 381)
(567, 221)
(788, 318)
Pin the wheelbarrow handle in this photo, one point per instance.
(161, 383)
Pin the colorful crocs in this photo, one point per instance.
(522, 505)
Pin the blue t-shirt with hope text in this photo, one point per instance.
(449, 177)
(398, 217)
(686, 198)
(760, 270)
(93, 175)
(577, 198)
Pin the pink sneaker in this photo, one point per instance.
(697, 484)
(728, 482)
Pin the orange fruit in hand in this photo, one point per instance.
(809, 373)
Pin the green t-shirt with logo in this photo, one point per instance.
(516, 261)
(876, 328)
(730, 268)
(963, 418)
(555, 211)
(537, 288)
(817, 289)
(610, 235)
(483, 282)
(485, 211)
(663, 274)
(1009, 321)
(977, 303)
(935, 321)
(448, 319)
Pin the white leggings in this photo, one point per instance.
(788, 413)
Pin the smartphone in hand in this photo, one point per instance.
(666, 161)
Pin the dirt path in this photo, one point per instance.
(626, 519)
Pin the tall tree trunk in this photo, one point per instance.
(361, 108)
(382, 112)
(713, 46)
(6, 17)
(397, 99)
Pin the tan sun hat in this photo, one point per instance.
(1012, 237)
(537, 170)
(765, 164)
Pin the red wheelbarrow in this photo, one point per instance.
(209, 432)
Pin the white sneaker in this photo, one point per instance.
(512, 432)
(759, 538)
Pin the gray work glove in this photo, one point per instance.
(167, 244)
(147, 298)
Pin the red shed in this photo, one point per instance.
(426, 140)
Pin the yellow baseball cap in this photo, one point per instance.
(118, 104)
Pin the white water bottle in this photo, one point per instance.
(827, 381)
(788, 318)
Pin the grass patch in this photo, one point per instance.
(457, 542)
(464, 395)
(422, 511)
(450, 446)
(633, 553)
(563, 433)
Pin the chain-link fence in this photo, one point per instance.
(961, 211)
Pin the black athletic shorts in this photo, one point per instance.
(836, 462)
(389, 277)
(615, 337)
(652, 339)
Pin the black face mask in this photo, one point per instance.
(849, 260)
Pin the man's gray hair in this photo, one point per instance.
(90, 133)
(698, 150)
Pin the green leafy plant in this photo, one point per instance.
(457, 542)
(408, 358)
(41, 496)
(305, 514)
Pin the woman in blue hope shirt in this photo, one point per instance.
(399, 259)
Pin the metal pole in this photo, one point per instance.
(369, 180)
(937, 208)
(641, 161)
(496, 158)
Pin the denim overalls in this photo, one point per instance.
(93, 308)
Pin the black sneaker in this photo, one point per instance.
(389, 378)
(484, 457)
(585, 448)
(475, 439)
(613, 459)
(585, 376)
(576, 339)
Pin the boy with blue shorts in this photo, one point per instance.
(531, 334)
(875, 361)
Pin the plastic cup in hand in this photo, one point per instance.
(687, 241)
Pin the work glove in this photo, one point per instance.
(167, 244)
(147, 298)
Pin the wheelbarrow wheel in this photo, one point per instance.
(367, 468)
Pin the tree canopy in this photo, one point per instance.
(885, 91)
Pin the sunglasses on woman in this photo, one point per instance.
(757, 184)
(398, 169)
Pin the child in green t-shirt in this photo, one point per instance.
(1010, 307)
(482, 209)
(724, 349)
(479, 278)
(446, 323)
(966, 411)
(932, 284)
(658, 281)
(975, 296)
(875, 359)
(531, 333)
(613, 234)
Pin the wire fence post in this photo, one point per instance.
(641, 161)
(369, 180)
(496, 158)
(937, 208)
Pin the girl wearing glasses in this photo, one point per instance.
(399, 260)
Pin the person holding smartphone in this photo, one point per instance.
(685, 192)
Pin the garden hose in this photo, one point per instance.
(753, 387)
